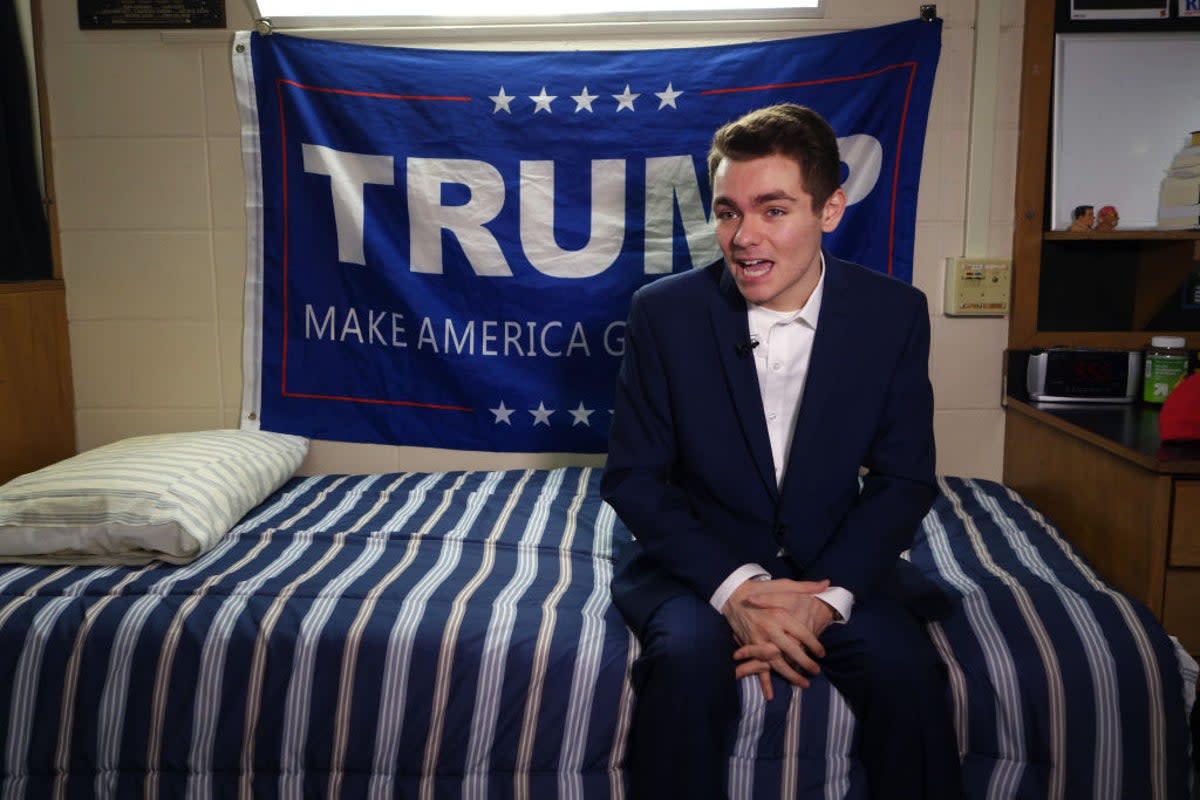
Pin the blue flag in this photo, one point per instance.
(443, 244)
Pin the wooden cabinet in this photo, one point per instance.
(1185, 511)
(1181, 600)
(1092, 289)
(1099, 473)
(37, 424)
(1130, 506)
(37, 409)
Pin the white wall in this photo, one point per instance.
(149, 190)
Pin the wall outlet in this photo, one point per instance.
(977, 287)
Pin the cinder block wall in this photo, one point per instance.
(149, 187)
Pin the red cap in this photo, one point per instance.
(1179, 420)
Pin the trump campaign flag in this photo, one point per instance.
(443, 244)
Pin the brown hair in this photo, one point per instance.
(787, 129)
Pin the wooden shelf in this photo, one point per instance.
(23, 287)
(1128, 235)
(1071, 288)
(1106, 340)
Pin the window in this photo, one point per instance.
(301, 13)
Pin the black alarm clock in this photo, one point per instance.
(1084, 375)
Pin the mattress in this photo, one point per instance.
(447, 635)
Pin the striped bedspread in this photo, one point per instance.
(450, 635)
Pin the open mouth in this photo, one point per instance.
(754, 267)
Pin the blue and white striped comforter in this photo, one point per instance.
(450, 635)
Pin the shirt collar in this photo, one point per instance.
(762, 318)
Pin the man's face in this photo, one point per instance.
(1088, 218)
(768, 231)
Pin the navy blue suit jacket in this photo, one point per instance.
(689, 467)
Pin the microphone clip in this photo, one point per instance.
(744, 348)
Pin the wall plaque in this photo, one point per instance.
(129, 14)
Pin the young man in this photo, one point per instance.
(750, 395)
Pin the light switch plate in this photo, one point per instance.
(977, 287)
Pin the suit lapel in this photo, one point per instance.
(732, 333)
(817, 409)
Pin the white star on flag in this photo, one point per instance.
(583, 102)
(581, 415)
(541, 414)
(502, 413)
(625, 99)
(502, 101)
(667, 97)
(542, 101)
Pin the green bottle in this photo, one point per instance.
(1166, 366)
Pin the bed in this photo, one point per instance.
(446, 635)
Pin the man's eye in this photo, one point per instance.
(775, 212)
(726, 214)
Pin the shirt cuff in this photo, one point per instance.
(746, 572)
(842, 601)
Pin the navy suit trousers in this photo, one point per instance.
(882, 662)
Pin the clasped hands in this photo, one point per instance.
(777, 625)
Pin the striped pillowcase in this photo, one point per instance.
(167, 496)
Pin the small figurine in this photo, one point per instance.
(1082, 219)
(1108, 218)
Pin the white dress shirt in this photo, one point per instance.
(782, 350)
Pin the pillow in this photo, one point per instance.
(167, 496)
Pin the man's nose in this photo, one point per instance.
(745, 234)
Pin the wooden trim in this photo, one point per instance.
(1037, 73)
(43, 108)
(37, 424)
(23, 287)
(1134, 234)
(1113, 340)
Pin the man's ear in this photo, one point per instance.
(831, 213)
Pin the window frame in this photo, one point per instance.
(276, 21)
